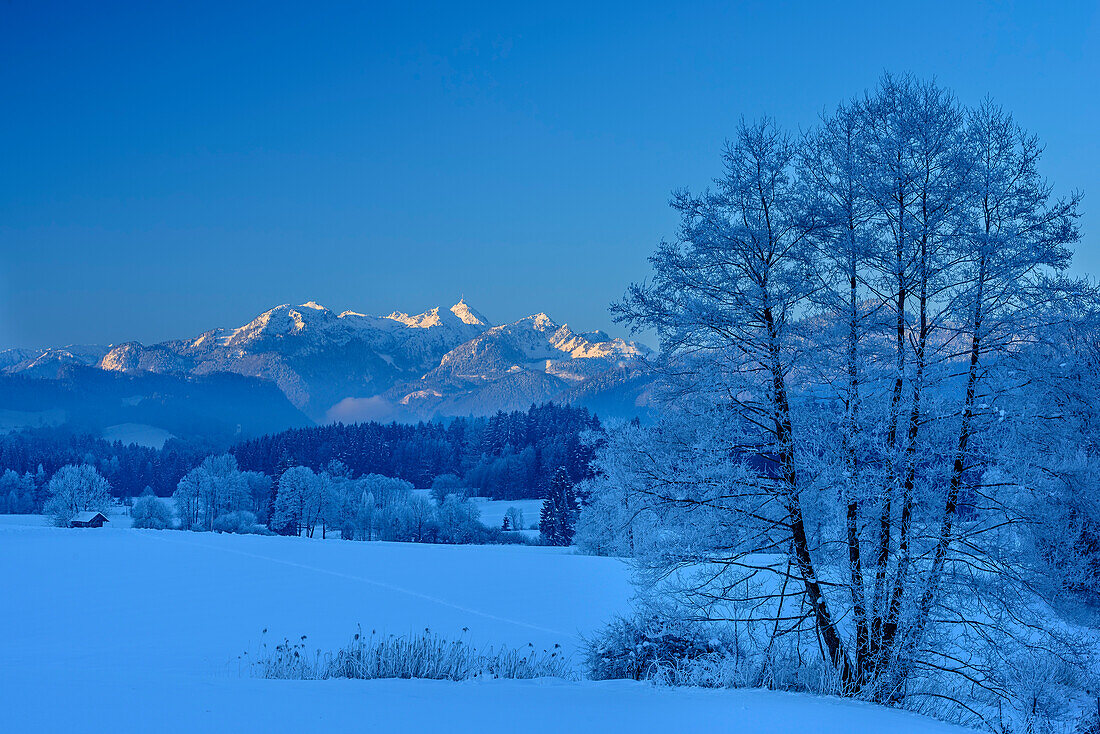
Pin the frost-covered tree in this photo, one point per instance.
(259, 492)
(297, 500)
(843, 323)
(379, 504)
(341, 502)
(458, 520)
(722, 301)
(407, 517)
(514, 516)
(386, 490)
(21, 494)
(617, 519)
(329, 498)
(74, 489)
(150, 511)
(12, 487)
(211, 489)
(365, 512)
(1061, 460)
(446, 484)
(320, 503)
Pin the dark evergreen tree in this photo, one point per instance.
(558, 519)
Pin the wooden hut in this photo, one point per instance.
(88, 520)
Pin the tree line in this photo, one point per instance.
(504, 456)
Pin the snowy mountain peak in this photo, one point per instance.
(468, 315)
(283, 319)
(459, 316)
(425, 320)
(539, 322)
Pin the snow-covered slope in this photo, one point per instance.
(351, 366)
(49, 362)
(126, 630)
(216, 408)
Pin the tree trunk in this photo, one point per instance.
(799, 541)
(886, 516)
(855, 561)
(951, 504)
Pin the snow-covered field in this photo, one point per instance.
(493, 511)
(137, 433)
(127, 630)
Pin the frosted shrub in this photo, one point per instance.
(241, 522)
(638, 648)
(1042, 693)
(151, 512)
(679, 653)
(779, 668)
(423, 655)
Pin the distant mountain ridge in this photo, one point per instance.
(354, 366)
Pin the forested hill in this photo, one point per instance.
(506, 456)
(36, 453)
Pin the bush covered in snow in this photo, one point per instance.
(241, 522)
(638, 648)
(151, 512)
(679, 653)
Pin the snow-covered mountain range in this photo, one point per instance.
(352, 366)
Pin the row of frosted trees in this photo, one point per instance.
(218, 496)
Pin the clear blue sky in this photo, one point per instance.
(171, 167)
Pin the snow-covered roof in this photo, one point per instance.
(88, 516)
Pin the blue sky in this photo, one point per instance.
(171, 167)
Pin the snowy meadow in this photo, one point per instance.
(149, 628)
